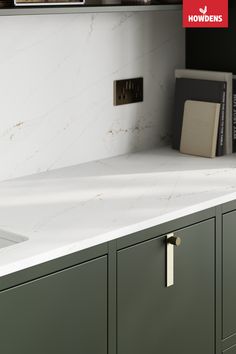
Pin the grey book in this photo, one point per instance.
(215, 76)
(200, 128)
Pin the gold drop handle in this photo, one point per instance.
(171, 242)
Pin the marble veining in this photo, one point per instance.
(73, 208)
(56, 99)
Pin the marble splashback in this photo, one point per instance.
(56, 87)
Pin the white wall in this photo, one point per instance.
(56, 87)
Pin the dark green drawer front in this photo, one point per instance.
(64, 313)
(231, 350)
(154, 319)
(229, 274)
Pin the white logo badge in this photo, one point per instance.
(203, 11)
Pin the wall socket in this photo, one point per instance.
(128, 91)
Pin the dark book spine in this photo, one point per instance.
(234, 116)
(221, 129)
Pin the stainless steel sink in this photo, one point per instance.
(10, 239)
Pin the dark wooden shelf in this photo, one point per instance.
(86, 9)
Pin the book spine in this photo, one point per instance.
(234, 116)
(221, 129)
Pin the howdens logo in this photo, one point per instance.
(208, 13)
(205, 18)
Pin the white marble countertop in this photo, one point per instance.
(70, 209)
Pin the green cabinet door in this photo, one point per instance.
(63, 313)
(155, 319)
(229, 274)
(231, 350)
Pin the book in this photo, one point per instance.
(215, 76)
(199, 90)
(234, 115)
(47, 2)
(200, 128)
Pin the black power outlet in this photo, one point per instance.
(128, 91)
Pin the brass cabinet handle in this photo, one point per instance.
(171, 242)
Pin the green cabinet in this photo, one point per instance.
(62, 313)
(153, 318)
(229, 274)
(114, 299)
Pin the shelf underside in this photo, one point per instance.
(86, 9)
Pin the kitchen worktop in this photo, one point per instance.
(70, 209)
